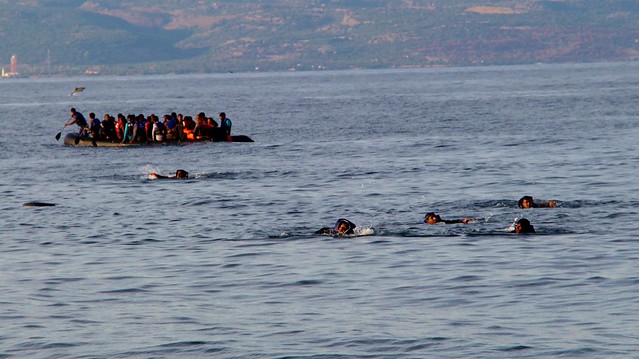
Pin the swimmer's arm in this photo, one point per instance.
(461, 220)
(154, 175)
(325, 230)
(549, 204)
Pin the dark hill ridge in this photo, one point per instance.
(159, 36)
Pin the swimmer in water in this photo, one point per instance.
(179, 174)
(432, 218)
(342, 227)
(523, 226)
(527, 202)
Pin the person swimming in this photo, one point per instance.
(179, 174)
(342, 227)
(528, 202)
(432, 218)
(523, 226)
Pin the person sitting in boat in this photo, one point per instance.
(342, 227)
(432, 218)
(159, 130)
(148, 126)
(120, 124)
(528, 202)
(225, 125)
(523, 226)
(95, 126)
(130, 129)
(201, 130)
(140, 133)
(108, 128)
(212, 126)
(78, 119)
(180, 135)
(189, 126)
(179, 174)
(173, 127)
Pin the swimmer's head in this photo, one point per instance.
(526, 202)
(523, 226)
(432, 218)
(344, 226)
(181, 174)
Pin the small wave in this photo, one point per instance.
(516, 348)
(364, 231)
(125, 290)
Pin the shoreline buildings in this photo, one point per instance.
(13, 69)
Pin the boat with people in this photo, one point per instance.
(140, 130)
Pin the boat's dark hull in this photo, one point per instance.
(73, 139)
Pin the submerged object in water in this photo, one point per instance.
(38, 204)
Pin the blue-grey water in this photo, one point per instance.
(225, 265)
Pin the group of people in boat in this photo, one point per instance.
(522, 225)
(143, 129)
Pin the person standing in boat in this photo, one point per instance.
(225, 125)
(78, 119)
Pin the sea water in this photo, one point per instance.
(225, 264)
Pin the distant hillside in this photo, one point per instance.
(52, 37)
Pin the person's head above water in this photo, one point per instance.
(523, 226)
(344, 226)
(181, 174)
(526, 202)
(432, 218)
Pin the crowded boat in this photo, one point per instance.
(141, 129)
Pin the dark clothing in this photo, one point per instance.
(225, 125)
(79, 120)
(108, 129)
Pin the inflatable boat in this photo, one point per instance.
(73, 139)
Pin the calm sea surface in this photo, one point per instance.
(225, 265)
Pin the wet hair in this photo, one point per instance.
(522, 199)
(526, 227)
